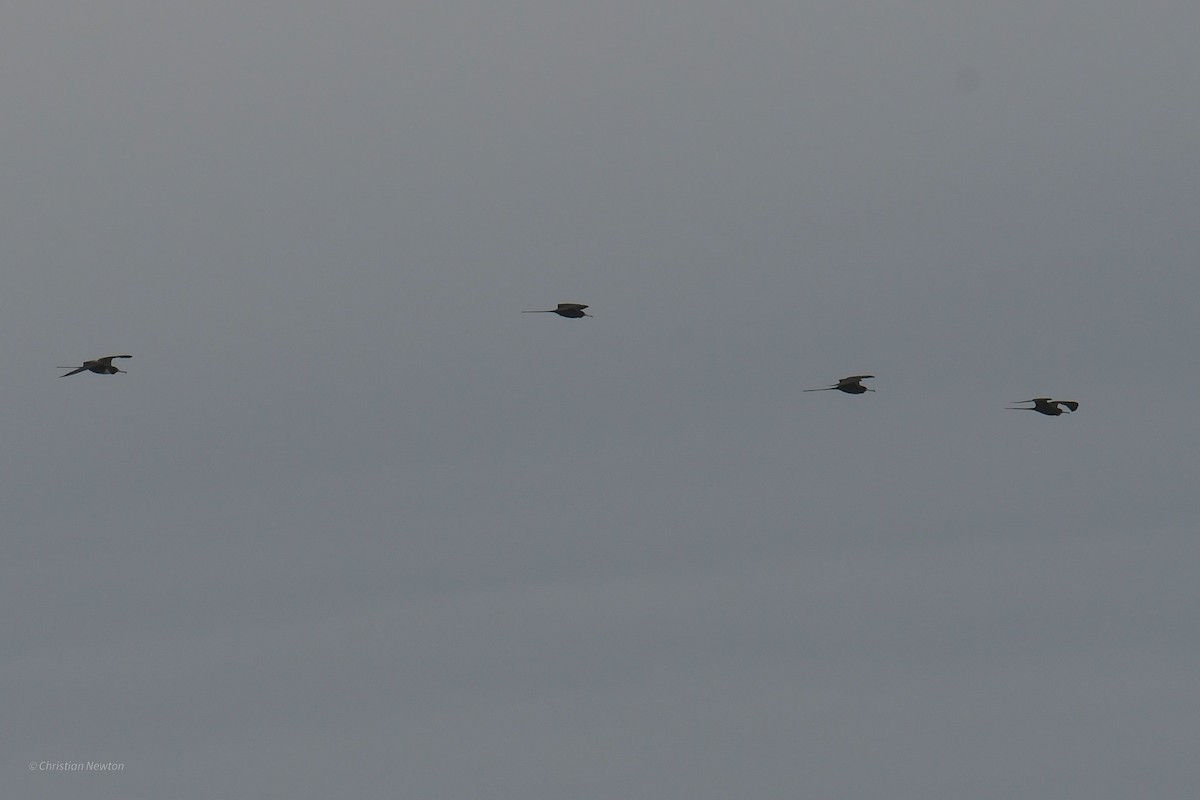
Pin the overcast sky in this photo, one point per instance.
(354, 526)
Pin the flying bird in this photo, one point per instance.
(572, 310)
(101, 366)
(851, 385)
(1051, 408)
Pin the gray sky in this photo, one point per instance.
(354, 526)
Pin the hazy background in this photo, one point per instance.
(353, 526)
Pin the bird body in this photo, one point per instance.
(101, 366)
(570, 310)
(1049, 407)
(851, 385)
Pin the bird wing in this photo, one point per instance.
(855, 378)
(107, 360)
(72, 372)
(1071, 404)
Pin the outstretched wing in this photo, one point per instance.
(72, 372)
(855, 378)
(107, 360)
(1071, 404)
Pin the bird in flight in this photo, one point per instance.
(1051, 408)
(101, 366)
(572, 310)
(851, 385)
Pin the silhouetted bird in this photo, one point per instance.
(851, 385)
(101, 366)
(572, 310)
(1044, 405)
